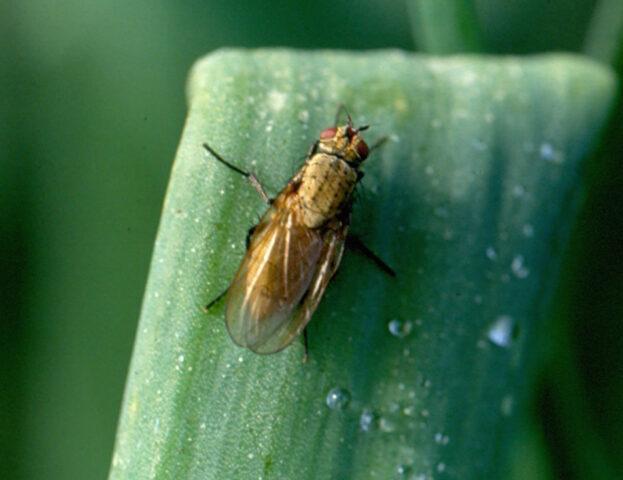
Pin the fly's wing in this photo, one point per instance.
(273, 278)
(329, 261)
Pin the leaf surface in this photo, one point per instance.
(470, 201)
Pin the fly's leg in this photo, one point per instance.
(305, 345)
(216, 300)
(260, 190)
(354, 243)
(255, 183)
(222, 294)
(313, 149)
(249, 235)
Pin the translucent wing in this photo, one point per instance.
(272, 280)
(329, 261)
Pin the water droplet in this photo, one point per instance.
(507, 405)
(337, 398)
(403, 470)
(441, 467)
(491, 253)
(303, 116)
(367, 420)
(277, 100)
(409, 410)
(502, 331)
(549, 153)
(519, 268)
(527, 230)
(546, 150)
(519, 191)
(441, 439)
(387, 425)
(400, 328)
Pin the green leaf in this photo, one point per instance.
(445, 26)
(471, 201)
(532, 26)
(604, 39)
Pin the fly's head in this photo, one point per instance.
(344, 142)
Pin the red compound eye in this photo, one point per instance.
(328, 133)
(362, 150)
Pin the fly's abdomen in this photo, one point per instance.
(326, 184)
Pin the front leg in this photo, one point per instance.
(249, 235)
(305, 345)
(313, 149)
(255, 183)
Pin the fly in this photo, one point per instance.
(296, 248)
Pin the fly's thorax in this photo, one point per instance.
(327, 182)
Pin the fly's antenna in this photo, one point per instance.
(379, 143)
(342, 108)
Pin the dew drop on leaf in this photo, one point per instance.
(501, 331)
(527, 230)
(403, 470)
(337, 398)
(519, 191)
(507, 405)
(400, 328)
(548, 153)
(366, 420)
(387, 425)
(303, 116)
(519, 268)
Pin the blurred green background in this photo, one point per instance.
(92, 107)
